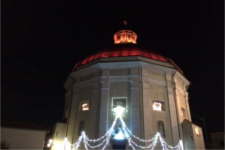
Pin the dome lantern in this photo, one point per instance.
(125, 36)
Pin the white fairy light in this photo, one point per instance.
(96, 145)
(124, 127)
(77, 144)
(96, 140)
(66, 144)
(134, 135)
(107, 141)
(85, 145)
(181, 144)
(165, 145)
(127, 134)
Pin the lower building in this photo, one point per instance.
(217, 140)
(19, 135)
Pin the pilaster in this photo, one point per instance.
(94, 111)
(173, 114)
(103, 119)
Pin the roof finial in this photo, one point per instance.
(125, 23)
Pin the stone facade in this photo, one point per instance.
(151, 87)
(140, 83)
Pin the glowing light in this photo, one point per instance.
(124, 53)
(157, 106)
(119, 135)
(181, 144)
(50, 140)
(125, 36)
(118, 111)
(197, 131)
(65, 143)
(48, 145)
(85, 106)
(123, 133)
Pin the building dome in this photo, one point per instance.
(125, 46)
(126, 97)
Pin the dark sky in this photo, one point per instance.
(42, 41)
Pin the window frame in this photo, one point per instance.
(163, 134)
(80, 106)
(126, 105)
(163, 108)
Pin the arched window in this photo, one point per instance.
(81, 127)
(161, 128)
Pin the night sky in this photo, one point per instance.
(42, 41)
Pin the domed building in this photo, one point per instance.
(127, 97)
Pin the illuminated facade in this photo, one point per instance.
(125, 96)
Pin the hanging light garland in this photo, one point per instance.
(104, 140)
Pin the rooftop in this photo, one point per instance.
(125, 46)
(23, 125)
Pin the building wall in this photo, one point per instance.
(190, 139)
(181, 95)
(118, 90)
(141, 84)
(23, 138)
(161, 89)
(58, 136)
(199, 140)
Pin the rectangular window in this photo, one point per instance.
(183, 112)
(119, 102)
(85, 106)
(158, 106)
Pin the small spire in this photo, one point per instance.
(125, 23)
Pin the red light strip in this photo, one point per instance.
(125, 53)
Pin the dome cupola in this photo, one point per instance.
(125, 36)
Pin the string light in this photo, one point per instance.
(104, 140)
(124, 127)
(142, 140)
(85, 145)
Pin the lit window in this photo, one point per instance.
(158, 106)
(197, 131)
(183, 112)
(85, 106)
(119, 102)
